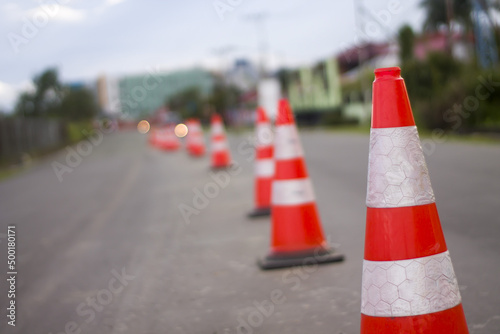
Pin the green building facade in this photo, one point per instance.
(313, 89)
(144, 93)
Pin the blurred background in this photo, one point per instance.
(91, 199)
(65, 65)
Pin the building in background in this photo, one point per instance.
(357, 103)
(313, 91)
(140, 95)
(244, 75)
(108, 95)
(462, 45)
(102, 92)
(356, 65)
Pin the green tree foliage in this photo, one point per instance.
(188, 103)
(191, 103)
(424, 78)
(25, 105)
(48, 92)
(51, 99)
(224, 97)
(77, 105)
(472, 101)
(44, 99)
(283, 76)
(444, 93)
(406, 39)
(426, 82)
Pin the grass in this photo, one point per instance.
(6, 173)
(472, 138)
(76, 130)
(479, 138)
(361, 129)
(12, 167)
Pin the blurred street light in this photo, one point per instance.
(260, 24)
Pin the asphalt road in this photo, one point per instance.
(107, 250)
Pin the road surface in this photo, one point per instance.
(107, 249)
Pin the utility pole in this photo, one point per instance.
(222, 52)
(449, 19)
(262, 35)
(358, 8)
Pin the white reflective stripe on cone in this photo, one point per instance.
(219, 145)
(264, 167)
(287, 143)
(264, 135)
(409, 287)
(217, 129)
(397, 172)
(196, 140)
(194, 128)
(292, 192)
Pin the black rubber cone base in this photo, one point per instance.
(219, 168)
(259, 212)
(285, 260)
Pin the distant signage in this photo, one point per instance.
(315, 88)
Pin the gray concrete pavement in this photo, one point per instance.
(108, 251)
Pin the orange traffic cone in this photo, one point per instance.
(408, 285)
(264, 165)
(296, 236)
(195, 143)
(221, 158)
(152, 137)
(167, 140)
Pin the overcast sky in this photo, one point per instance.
(86, 38)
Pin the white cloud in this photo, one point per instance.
(57, 12)
(10, 92)
(113, 2)
(70, 14)
(107, 4)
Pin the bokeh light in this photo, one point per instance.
(181, 130)
(143, 126)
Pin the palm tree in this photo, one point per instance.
(441, 13)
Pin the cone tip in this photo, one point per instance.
(285, 114)
(284, 102)
(388, 72)
(216, 118)
(261, 115)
